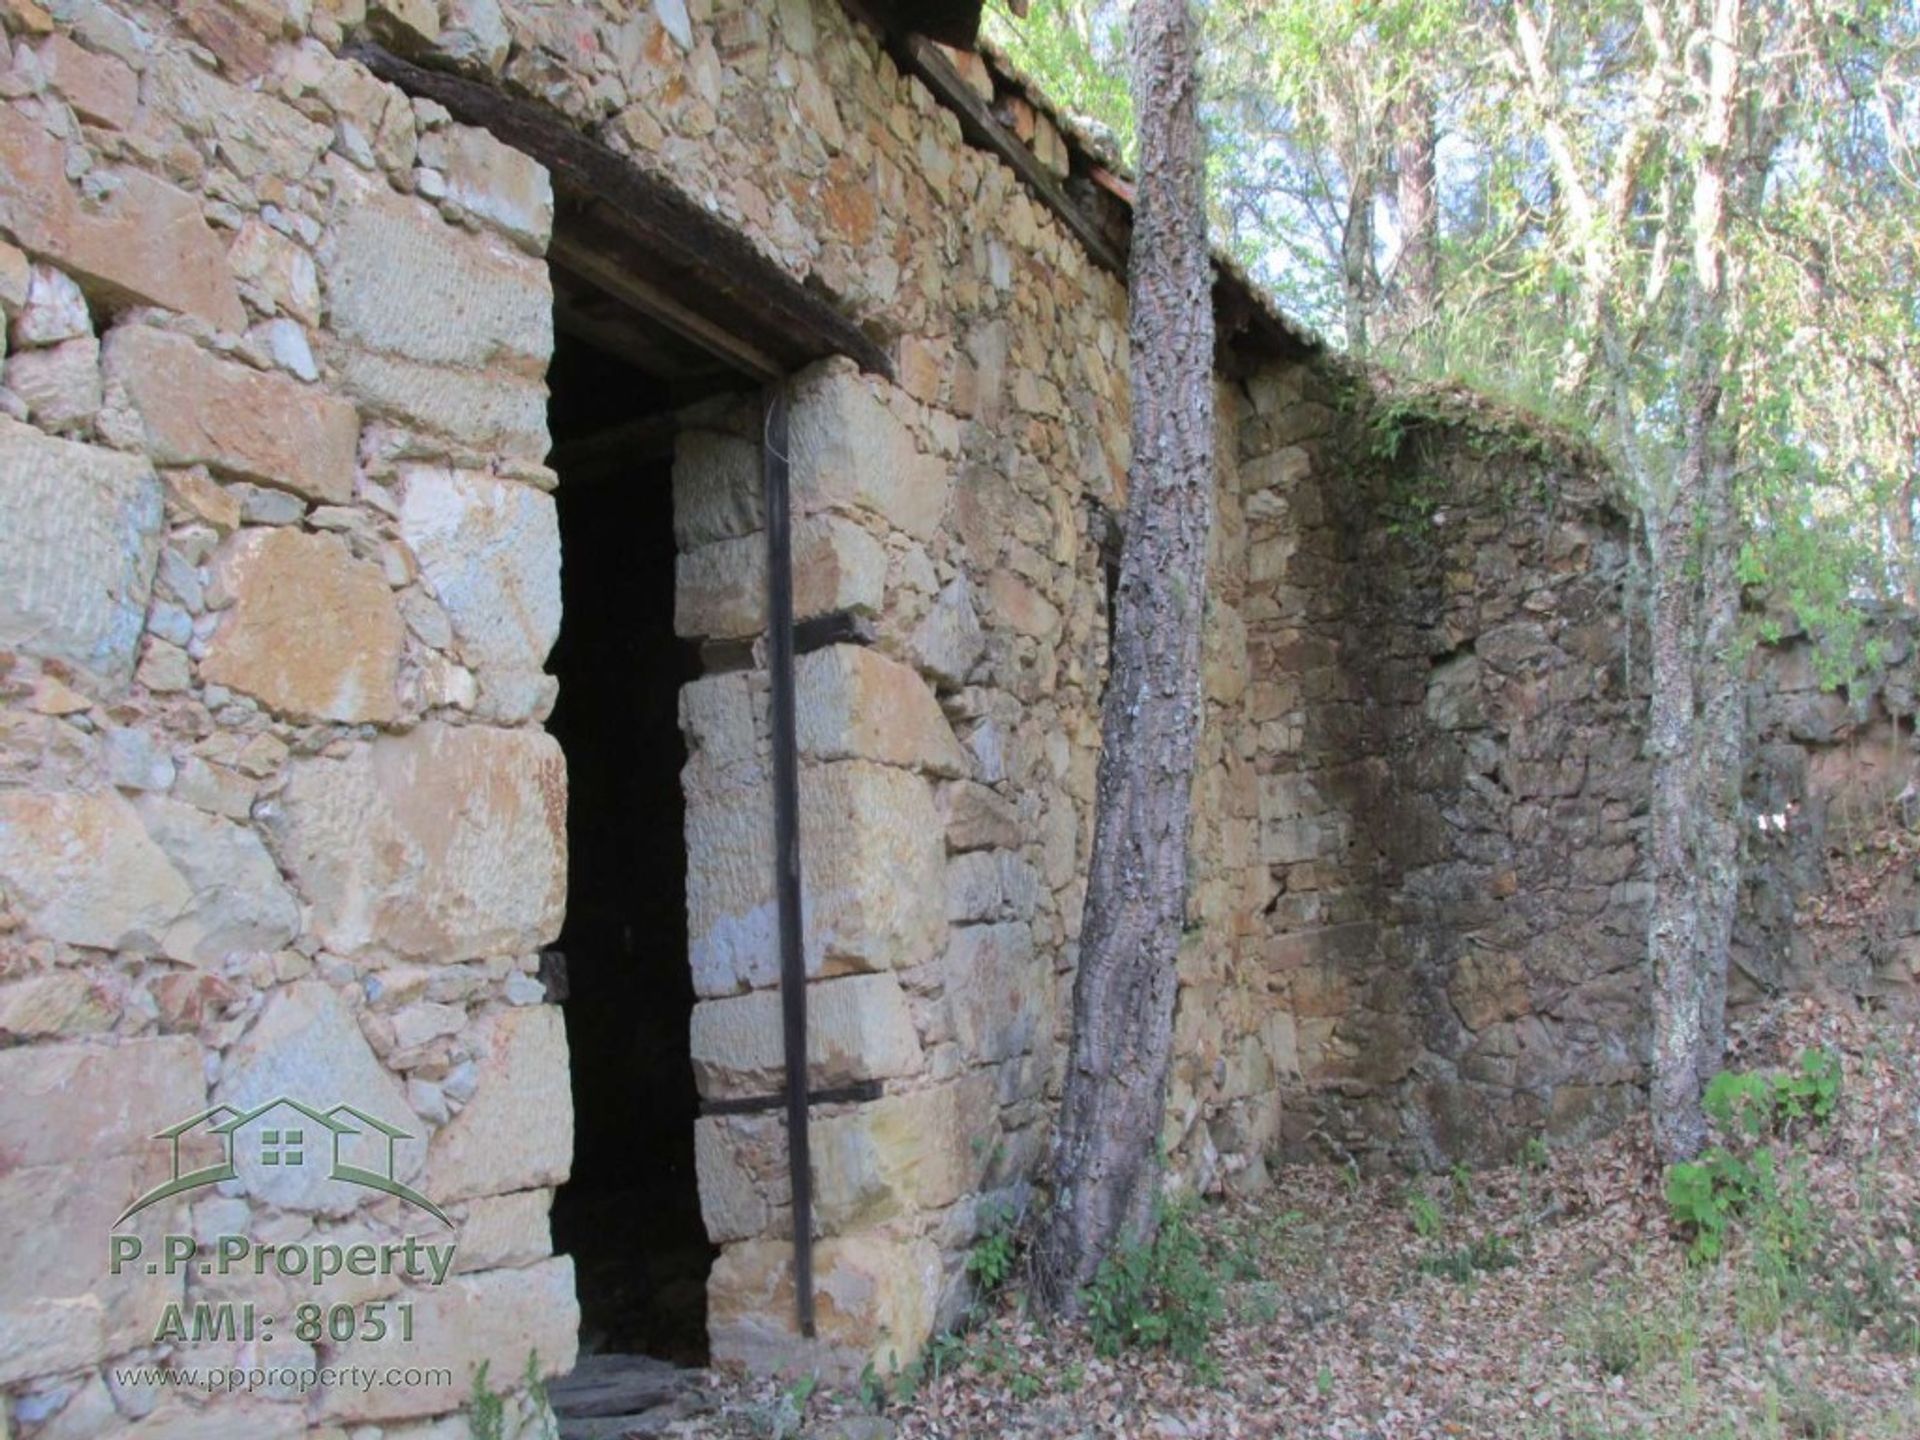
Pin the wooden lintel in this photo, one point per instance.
(606, 273)
(616, 450)
(701, 254)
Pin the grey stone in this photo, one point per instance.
(82, 527)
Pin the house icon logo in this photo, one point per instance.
(285, 1134)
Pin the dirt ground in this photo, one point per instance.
(1552, 1300)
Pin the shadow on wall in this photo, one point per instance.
(1450, 822)
(1452, 794)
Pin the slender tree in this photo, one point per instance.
(1106, 1167)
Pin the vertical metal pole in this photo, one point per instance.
(786, 841)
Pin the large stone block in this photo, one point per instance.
(195, 409)
(491, 551)
(59, 1309)
(872, 876)
(858, 1028)
(499, 184)
(499, 1317)
(82, 529)
(516, 1133)
(901, 1153)
(308, 1047)
(313, 633)
(850, 452)
(853, 703)
(1000, 991)
(239, 901)
(720, 590)
(874, 1299)
(734, 1162)
(873, 1163)
(716, 487)
(61, 1104)
(488, 411)
(144, 241)
(732, 941)
(949, 640)
(872, 868)
(401, 281)
(501, 1230)
(156, 877)
(84, 870)
(445, 843)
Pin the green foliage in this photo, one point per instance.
(992, 1259)
(1425, 1214)
(1707, 1196)
(1463, 1262)
(1759, 1103)
(1076, 52)
(1159, 1294)
(486, 1409)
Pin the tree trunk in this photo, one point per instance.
(1416, 199)
(1697, 721)
(1674, 940)
(1356, 264)
(1106, 1170)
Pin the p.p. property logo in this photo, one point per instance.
(287, 1134)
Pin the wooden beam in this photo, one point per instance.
(597, 268)
(617, 449)
(696, 255)
(921, 57)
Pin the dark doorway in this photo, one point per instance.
(630, 1214)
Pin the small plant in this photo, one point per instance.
(1462, 1178)
(1812, 1087)
(1488, 1252)
(990, 1262)
(1707, 1195)
(1534, 1155)
(486, 1409)
(1740, 1104)
(1158, 1294)
(1759, 1103)
(1425, 1213)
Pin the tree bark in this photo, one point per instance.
(1416, 198)
(1105, 1164)
(1697, 718)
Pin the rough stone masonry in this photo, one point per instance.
(280, 576)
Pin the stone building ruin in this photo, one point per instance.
(387, 698)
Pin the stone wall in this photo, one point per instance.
(1435, 951)
(276, 810)
(1830, 898)
(278, 814)
(1441, 741)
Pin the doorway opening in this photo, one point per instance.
(630, 1213)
